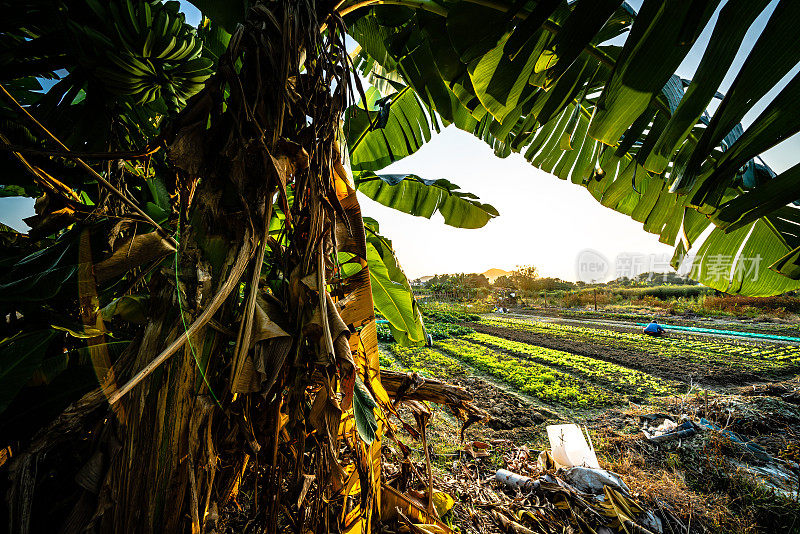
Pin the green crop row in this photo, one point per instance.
(437, 330)
(445, 316)
(427, 361)
(445, 330)
(762, 357)
(528, 377)
(614, 377)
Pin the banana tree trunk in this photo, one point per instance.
(253, 384)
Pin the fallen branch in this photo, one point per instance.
(412, 386)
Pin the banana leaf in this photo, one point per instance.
(420, 197)
(616, 119)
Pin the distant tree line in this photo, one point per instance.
(525, 282)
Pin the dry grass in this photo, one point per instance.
(696, 479)
(660, 481)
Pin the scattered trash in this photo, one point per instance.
(514, 481)
(593, 481)
(660, 427)
(477, 449)
(569, 448)
(594, 499)
(775, 474)
(564, 489)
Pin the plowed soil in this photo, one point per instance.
(507, 411)
(679, 368)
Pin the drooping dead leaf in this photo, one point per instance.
(269, 346)
(134, 252)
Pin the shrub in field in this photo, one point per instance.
(586, 298)
(473, 307)
(665, 292)
(748, 305)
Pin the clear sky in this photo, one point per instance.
(543, 220)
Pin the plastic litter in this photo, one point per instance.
(757, 450)
(667, 430)
(592, 481)
(514, 481)
(567, 490)
(569, 447)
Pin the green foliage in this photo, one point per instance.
(750, 306)
(121, 61)
(385, 361)
(417, 196)
(385, 129)
(532, 378)
(442, 324)
(461, 286)
(427, 361)
(614, 119)
(364, 411)
(391, 292)
(385, 333)
(446, 330)
(615, 377)
(524, 277)
(42, 274)
(664, 292)
(21, 356)
(382, 130)
(227, 14)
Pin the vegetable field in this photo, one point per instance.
(568, 368)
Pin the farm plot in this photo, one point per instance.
(709, 360)
(540, 381)
(509, 412)
(636, 384)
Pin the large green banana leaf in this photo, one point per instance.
(391, 292)
(383, 130)
(417, 196)
(551, 81)
(21, 355)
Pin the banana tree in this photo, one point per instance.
(190, 323)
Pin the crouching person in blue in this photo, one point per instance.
(654, 329)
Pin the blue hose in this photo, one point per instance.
(728, 332)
